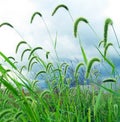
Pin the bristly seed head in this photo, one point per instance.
(36, 13)
(108, 22)
(80, 19)
(60, 6)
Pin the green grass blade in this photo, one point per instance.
(2, 70)
(9, 86)
(98, 102)
(55, 42)
(107, 60)
(107, 89)
(7, 60)
(84, 55)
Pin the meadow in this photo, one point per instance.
(21, 100)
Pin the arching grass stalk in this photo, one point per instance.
(81, 19)
(65, 7)
(108, 22)
(89, 66)
(38, 13)
(89, 114)
(106, 48)
(76, 23)
(60, 6)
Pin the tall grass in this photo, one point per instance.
(21, 100)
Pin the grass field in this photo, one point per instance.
(21, 100)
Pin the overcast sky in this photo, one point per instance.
(19, 12)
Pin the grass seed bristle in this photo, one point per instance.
(108, 22)
(106, 48)
(91, 62)
(19, 44)
(60, 6)
(80, 19)
(33, 16)
(109, 80)
(32, 52)
(6, 23)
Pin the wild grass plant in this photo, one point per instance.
(21, 100)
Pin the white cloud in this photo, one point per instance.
(113, 10)
(17, 13)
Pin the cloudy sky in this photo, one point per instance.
(19, 12)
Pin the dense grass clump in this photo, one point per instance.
(64, 99)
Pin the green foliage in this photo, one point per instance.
(21, 100)
(5, 112)
(7, 60)
(108, 61)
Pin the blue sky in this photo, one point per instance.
(18, 13)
